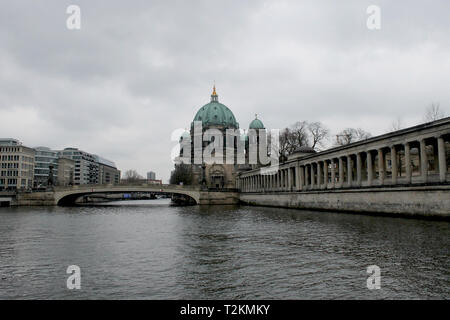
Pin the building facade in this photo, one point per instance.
(66, 170)
(219, 174)
(108, 173)
(16, 165)
(90, 168)
(44, 159)
(86, 166)
(151, 175)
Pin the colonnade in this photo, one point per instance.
(414, 161)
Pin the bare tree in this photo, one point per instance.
(318, 133)
(284, 144)
(433, 112)
(362, 135)
(132, 176)
(301, 134)
(350, 135)
(396, 125)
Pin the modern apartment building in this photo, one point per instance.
(108, 173)
(86, 166)
(44, 159)
(90, 168)
(16, 165)
(66, 170)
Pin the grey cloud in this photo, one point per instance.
(138, 70)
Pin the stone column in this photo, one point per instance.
(325, 173)
(307, 182)
(333, 174)
(369, 168)
(341, 172)
(349, 170)
(289, 184)
(358, 169)
(442, 159)
(287, 177)
(381, 166)
(408, 163)
(394, 164)
(302, 177)
(297, 176)
(313, 180)
(423, 161)
(279, 179)
(319, 175)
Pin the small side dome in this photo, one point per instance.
(256, 124)
(185, 135)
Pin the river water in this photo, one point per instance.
(151, 250)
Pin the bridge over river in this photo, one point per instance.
(68, 195)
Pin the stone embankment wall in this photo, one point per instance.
(426, 201)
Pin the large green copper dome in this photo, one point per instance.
(216, 114)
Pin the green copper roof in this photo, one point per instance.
(256, 124)
(215, 113)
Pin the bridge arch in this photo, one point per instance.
(68, 196)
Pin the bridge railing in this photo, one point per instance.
(123, 186)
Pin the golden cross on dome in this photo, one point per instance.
(214, 89)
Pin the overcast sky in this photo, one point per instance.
(138, 70)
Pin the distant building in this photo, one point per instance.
(66, 169)
(151, 175)
(86, 166)
(108, 173)
(43, 159)
(16, 165)
(90, 168)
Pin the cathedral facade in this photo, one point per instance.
(216, 174)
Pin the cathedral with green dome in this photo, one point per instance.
(216, 115)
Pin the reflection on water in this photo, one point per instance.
(150, 250)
